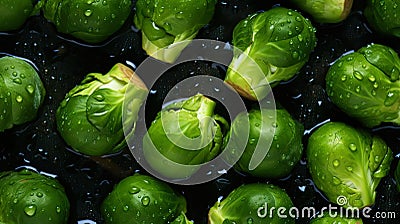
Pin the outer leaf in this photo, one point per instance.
(286, 148)
(13, 14)
(366, 85)
(274, 45)
(141, 199)
(251, 203)
(326, 11)
(23, 91)
(187, 133)
(104, 109)
(28, 197)
(167, 22)
(347, 162)
(90, 117)
(6, 120)
(89, 20)
(383, 16)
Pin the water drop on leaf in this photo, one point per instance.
(30, 210)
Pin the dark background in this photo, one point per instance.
(63, 62)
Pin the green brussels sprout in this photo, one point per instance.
(143, 199)
(366, 85)
(90, 117)
(92, 21)
(271, 47)
(286, 135)
(397, 176)
(347, 164)
(165, 23)
(21, 92)
(251, 203)
(326, 11)
(13, 14)
(327, 218)
(383, 16)
(29, 197)
(186, 132)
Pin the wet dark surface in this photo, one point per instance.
(63, 62)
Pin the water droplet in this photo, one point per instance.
(353, 147)
(179, 15)
(14, 74)
(377, 159)
(344, 78)
(300, 37)
(30, 210)
(17, 81)
(373, 93)
(295, 54)
(113, 15)
(358, 89)
(336, 163)
(252, 141)
(18, 99)
(99, 97)
(134, 190)
(89, 2)
(336, 181)
(349, 168)
(145, 201)
(12, 66)
(39, 194)
(391, 98)
(167, 27)
(30, 89)
(340, 64)
(371, 78)
(15, 200)
(250, 221)
(290, 13)
(88, 12)
(298, 19)
(358, 75)
(126, 208)
(58, 209)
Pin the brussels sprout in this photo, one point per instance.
(89, 20)
(141, 199)
(383, 16)
(186, 132)
(327, 218)
(13, 14)
(397, 176)
(90, 117)
(326, 11)
(251, 203)
(286, 135)
(347, 163)
(278, 41)
(21, 92)
(165, 23)
(29, 197)
(366, 85)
